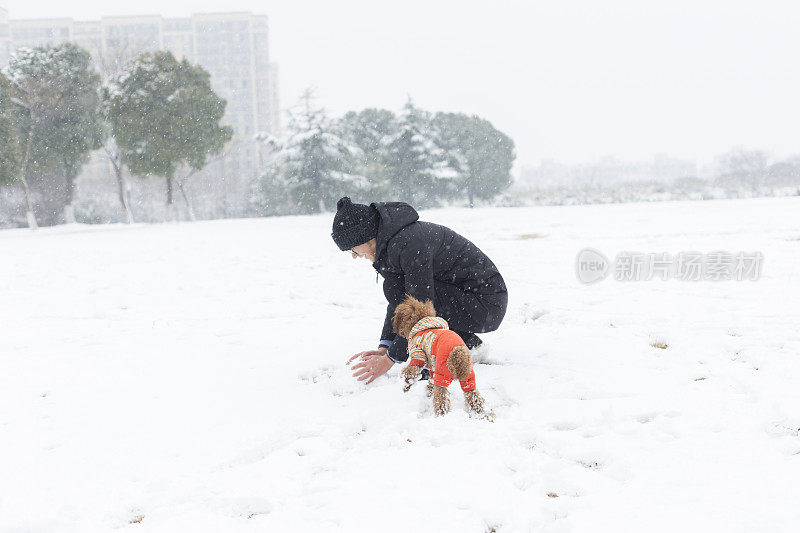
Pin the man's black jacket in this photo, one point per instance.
(412, 256)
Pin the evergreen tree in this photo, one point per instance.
(60, 90)
(271, 195)
(416, 166)
(164, 115)
(371, 130)
(10, 150)
(316, 163)
(16, 136)
(482, 155)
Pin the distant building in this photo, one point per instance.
(232, 47)
(607, 171)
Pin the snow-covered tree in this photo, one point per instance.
(741, 167)
(114, 155)
(482, 155)
(314, 161)
(417, 168)
(14, 145)
(60, 91)
(271, 195)
(10, 151)
(784, 173)
(111, 60)
(164, 115)
(371, 130)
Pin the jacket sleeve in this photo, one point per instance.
(386, 333)
(394, 292)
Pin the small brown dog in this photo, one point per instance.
(432, 345)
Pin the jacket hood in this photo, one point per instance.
(394, 216)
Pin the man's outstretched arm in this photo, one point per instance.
(394, 290)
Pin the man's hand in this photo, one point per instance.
(371, 364)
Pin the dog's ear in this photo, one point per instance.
(402, 315)
(409, 312)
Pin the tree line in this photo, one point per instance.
(754, 170)
(156, 117)
(423, 158)
(737, 173)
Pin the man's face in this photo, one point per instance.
(366, 250)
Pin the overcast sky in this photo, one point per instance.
(569, 80)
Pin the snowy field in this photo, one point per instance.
(190, 377)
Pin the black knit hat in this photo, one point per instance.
(354, 224)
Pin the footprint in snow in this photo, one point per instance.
(482, 355)
(316, 375)
(339, 382)
(565, 426)
(528, 314)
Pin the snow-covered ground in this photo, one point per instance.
(191, 377)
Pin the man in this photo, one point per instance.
(427, 261)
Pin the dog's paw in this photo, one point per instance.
(410, 376)
(474, 402)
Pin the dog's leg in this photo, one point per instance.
(429, 389)
(441, 400)
(474, 401)
(410, 376)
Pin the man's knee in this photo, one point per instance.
(497, 306)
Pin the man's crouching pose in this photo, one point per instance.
(432, 345)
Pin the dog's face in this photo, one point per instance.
(409, 312)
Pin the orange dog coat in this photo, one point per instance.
(429, 345)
